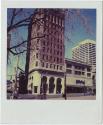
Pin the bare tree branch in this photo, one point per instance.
(13, 17)
(19, 45)
(17, 24)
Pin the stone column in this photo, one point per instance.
(63, 86)
(48, 77)
(39, 85)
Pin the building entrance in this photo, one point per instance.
(43, 87)
(51, 85)
(58, 86)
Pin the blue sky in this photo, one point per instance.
(79, 26)
(79, 32)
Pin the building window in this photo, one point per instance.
(37, 55)
(50, 65)
(80, 82)
(54, 59)
(58, 45)
(83, 68)
(61, 53)
(54, 66)
(77, 67)
(43, 49)
(44, 43)
(47, 50)
(57, 52)
(50, 50)
(50, 57)
(43, 57)
(37, 48)
(42, 64)
(57, 60)
(56, 20)
(36, 63)
(51, 85)
(69, 71)
(37, 34)
(34, 56)
(69, 65)
(83, 73)
(32, 77)
(35, 89)
(88, 74)
(88, 69)
(54, 51)
(46, 57)
(60, 67)
(59, 21)
(77, 73)
(37, 41)
(57, 67)
(47, 65)
(60, 60)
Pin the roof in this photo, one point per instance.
(87, 41)
(84, 42)
(76, 62)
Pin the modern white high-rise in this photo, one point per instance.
(85, 51)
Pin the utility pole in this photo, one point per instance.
(16, 73)
(8, 45)
(28, 53)
(65, 86)
(17, 68)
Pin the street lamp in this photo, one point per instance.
(84, 88)
(65, 95)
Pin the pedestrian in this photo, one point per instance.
(14, 90)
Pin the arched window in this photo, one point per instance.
(43, 88)
(51, 85)
(58, 86)
(32, 77)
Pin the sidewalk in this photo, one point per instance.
(82, 98)
(91, 97)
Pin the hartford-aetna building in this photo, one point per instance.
(47, 66)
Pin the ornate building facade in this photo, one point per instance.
(47, 64)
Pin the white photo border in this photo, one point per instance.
(52, 111)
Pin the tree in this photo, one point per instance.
(18, 18)
(25, 21)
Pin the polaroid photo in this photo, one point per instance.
(51, 62)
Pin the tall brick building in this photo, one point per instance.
(46, 66)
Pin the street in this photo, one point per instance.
(53, 97)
